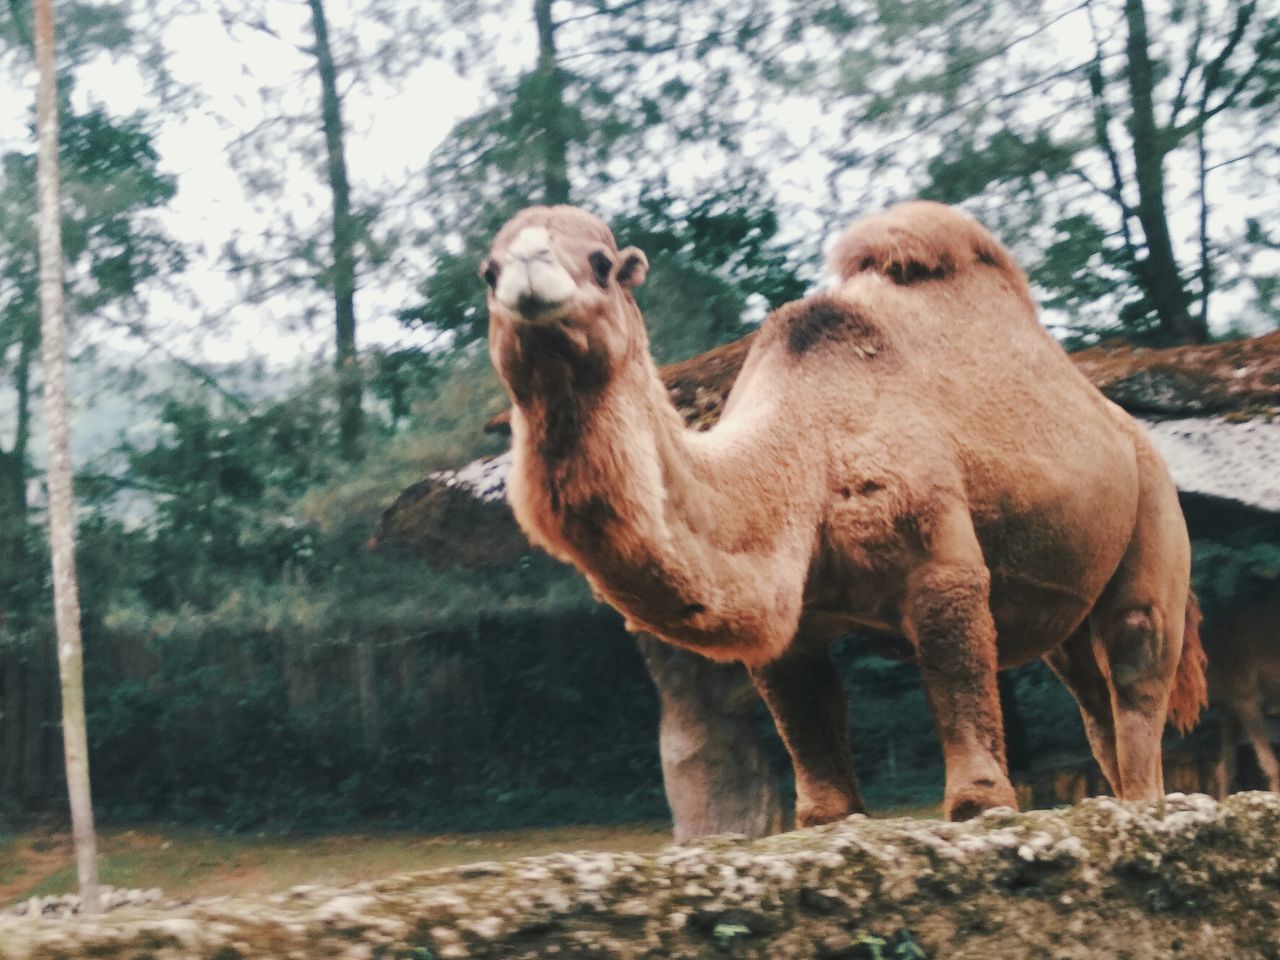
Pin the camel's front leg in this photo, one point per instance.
(948, 617)
(803, 692)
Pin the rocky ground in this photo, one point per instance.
(1188, 878)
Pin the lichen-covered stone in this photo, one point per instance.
(1187, 877)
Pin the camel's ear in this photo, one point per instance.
(633, 267)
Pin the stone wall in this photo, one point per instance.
(1184, 878)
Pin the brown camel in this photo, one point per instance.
(957, 488)
(1244, 682)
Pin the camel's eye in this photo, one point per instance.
(489, 270)
(600, 266)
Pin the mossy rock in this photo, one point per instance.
(1187, 877)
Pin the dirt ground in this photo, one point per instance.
(188, 863)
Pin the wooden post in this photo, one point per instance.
(66, 601)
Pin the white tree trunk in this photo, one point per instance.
(61, 497)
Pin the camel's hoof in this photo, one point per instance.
(971, 800)
(818, 814)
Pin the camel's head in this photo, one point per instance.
(560, 299)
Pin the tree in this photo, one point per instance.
(61, 495)
(114, 247)
(110, 238)
(292, 255)
(350, 409)
(1120, 170)
(615, 97)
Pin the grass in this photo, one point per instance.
(186, 863)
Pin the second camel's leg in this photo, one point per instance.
(1224, 774)
(1254, 722)
(803, 692)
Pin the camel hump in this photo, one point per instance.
(920, 240)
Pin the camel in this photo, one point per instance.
(1244, 682)
(909, 455)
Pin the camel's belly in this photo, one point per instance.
(1044, 583)
(1032, 619)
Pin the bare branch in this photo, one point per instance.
(1102, 134)
(1213, 71)
(1206, 276)
(1193, 61)
(197, 371)
(602, 11)
(1213, 76)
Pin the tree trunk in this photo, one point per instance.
(550, 88)
(716, 776)
(366, 670)
(350, 381)
(13, 473)
(12, 714)
(1159, 275)
(66, 601)
(22, 429)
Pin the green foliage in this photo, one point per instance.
(1008, 157)
(707, 265)
(710, 261)
(111, 186)
(84, 30)
(1237, 567)
(611, 115)
(726, 934)
(1057, 147)
(249, 667)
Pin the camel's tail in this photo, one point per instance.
(920, 240)
(1190, 693)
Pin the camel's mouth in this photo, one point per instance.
(534, 309)
(533, 284)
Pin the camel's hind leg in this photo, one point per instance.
(803, 692)
(1077, 667)
(1138, 625)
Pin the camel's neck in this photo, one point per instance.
(682, 531)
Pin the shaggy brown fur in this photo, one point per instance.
(1190, 685)
(910, 454)
(1244, 682)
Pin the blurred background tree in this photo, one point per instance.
(1126, 150)
(113, 242)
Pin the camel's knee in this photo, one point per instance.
(950, 618)
(1138, 657)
